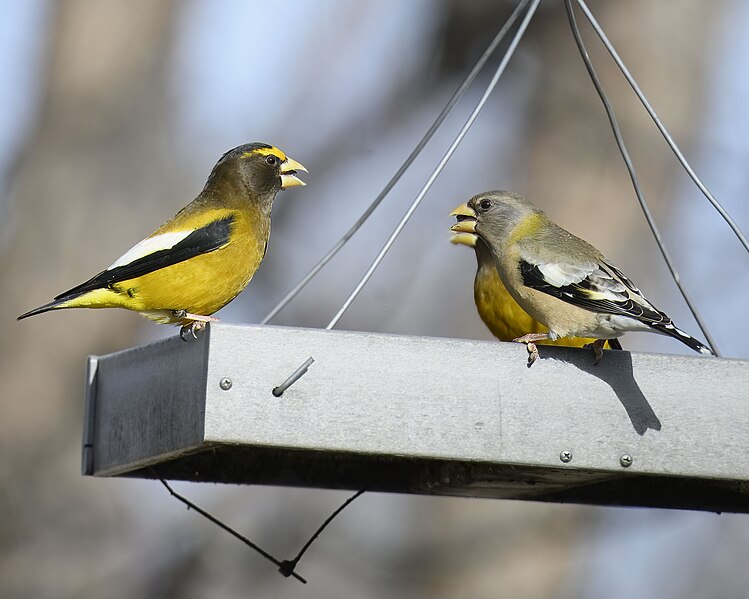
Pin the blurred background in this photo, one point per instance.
(113, 114)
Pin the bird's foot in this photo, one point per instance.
(185, 315)
(532, 353)
(529, 341)
(197, 323)
(597, 346)
(190, 331)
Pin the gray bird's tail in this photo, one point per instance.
(667, 328)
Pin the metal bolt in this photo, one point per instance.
(625, 460)
(225, 383)
(565, 456)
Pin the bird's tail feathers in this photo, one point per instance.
(54, 305)
(59, 303)
(667, 328)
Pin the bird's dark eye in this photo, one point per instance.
(485, 204)
(271, 159)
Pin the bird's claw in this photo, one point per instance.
(597, 346)
(530, 344)
(195, 324)
(532, 353)
(190, 331)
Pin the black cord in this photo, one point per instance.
(287, 566)
(217, 522)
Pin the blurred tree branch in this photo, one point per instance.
(91, 165)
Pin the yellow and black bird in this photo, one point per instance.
(204, 256)
(560, 280)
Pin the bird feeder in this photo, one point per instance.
(423, 415)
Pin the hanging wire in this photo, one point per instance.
(191, 506)
(404, 167)
(633, 175)
(287, 567)
(456, 142)
(669, 140)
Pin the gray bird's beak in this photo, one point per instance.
(468, 239)
(465, 226)
(289, 168)
(465, 229)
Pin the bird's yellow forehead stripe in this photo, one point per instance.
(264, 152)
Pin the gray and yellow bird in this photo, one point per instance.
(204, 256)
(498, 310)
(558, 279)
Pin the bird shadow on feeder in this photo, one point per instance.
(615, 369)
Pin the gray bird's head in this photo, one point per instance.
(492, 215)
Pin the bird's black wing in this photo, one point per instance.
(201, 241)
(598, 288)
(601, 287)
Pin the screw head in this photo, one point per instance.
(225, 383)
(565, 456)
(625, 460)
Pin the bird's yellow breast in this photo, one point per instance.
(206, 283)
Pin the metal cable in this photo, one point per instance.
(456, 142)
(669, 140)
(406, 164)
(633, 175)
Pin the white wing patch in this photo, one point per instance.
(149, 245)
(589, 279)
(561, 275)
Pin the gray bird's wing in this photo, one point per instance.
(593, 285)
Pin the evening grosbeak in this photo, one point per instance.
(560, 280)
(498, 310)
(204, 256)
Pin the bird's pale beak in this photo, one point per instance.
(466, 221)
(465, 228)
(468, 239)
(289, 168)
